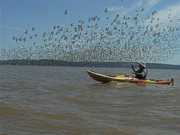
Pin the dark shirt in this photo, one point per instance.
(140, 73)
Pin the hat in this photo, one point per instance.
(142, 65)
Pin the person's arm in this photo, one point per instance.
(145, 73)
(133, 68)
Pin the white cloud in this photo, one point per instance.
(169, 13)
(146, 4)
(116, 9)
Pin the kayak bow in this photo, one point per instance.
(126, 78)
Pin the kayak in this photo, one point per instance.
(126, 78)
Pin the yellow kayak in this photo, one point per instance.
(126, 78)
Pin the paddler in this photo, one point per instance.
(140, 72)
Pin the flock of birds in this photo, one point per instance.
(111, 38)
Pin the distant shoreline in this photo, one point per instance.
(84, 64)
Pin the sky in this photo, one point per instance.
(18, 15)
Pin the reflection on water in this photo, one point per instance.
(64, 100)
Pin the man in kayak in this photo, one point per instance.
(141, 72)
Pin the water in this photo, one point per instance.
(65, 101)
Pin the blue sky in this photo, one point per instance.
(18, 15)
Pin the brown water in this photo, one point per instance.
(65, 101)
